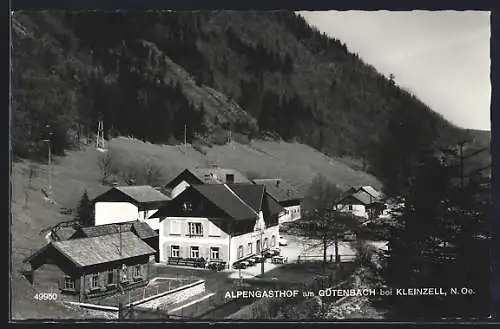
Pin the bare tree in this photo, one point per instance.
(322, 220)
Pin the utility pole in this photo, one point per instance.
(261, 252)
(120, 230)
(185, 139)
(49, 142)
(261, 249)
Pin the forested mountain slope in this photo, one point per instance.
(155, 76)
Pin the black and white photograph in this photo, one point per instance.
(202, 166)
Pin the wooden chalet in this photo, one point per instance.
(88, 268)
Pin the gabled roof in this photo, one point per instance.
(141, 229)
(363, 197)
(367, 195)
(187, 175)
(210, 175)
(143, 193)
(279, 189)
(251, 194)
(99, 250)
(142, 196)
(216, 175)
(226, 200)
(373, 192)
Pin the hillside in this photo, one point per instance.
(156, 76)
(79, 171)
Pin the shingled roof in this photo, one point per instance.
(209, 175)
(240, 201)
(216, 175)
(279, 189)
(99, 250)
(141, 229)
(143, 193)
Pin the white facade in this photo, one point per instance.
(355, 209)
(120, 212)
(252, 243)
(176, 240)
(292, 213)
(179, 189)
(175, 235)
(115, 212)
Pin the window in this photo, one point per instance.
(187, 206)
(124, 274)
(69, 283)
(214, 253)
(195, 229)
(195, 252)
(350, 207)
(265, 243)
(257, 246)
(240, 251)
(229, 178)
(250, 248)
(110, 277)
(273, 241)
(137, 271)
(94, 281)
(174, 251)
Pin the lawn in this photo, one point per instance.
(79, 171)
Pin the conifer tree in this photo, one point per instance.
(84, 212)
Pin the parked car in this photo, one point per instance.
(349, 236)
(282, 241)
(251, 261)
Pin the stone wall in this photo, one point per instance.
(166, 300)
